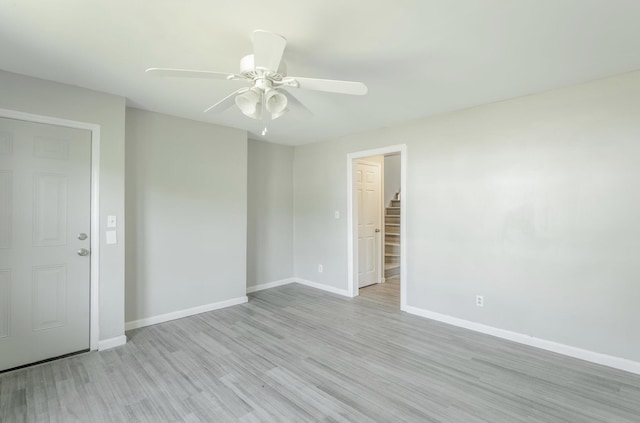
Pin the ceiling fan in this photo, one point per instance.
(266, 74)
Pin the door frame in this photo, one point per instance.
(94, 129)
(380, 239)
(352, 247)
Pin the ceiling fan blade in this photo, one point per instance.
(189, 73)
(268, 49)
(295, 104)
(226, 102)
(329, 85)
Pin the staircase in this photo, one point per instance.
(392, 238)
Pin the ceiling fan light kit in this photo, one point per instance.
(260, 97)
(266, 73)
(249, 101)
(276, 102)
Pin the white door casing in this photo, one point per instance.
(352, 227)
(45, 203)
(369, 206)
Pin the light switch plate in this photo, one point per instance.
(111, 222)
(111, 238)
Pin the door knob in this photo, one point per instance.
(82, 236)
(377, 230)
(83, 252)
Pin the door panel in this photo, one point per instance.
(45, 202)
(369, 200)
(5, 295)
(5, 209)
(50, 210)
(49, 297)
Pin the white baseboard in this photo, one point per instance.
(268, 285)
(106, 344)
(148, 321)
(323, 287)
(582, 354)
(301, 282)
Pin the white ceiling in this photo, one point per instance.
(418, 57)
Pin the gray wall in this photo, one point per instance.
(270, 213)
(186, 214)
(532, 202)
(391, 177)
(37, 96)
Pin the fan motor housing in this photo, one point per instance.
(249, 70)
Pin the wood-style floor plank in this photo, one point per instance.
(298, 354)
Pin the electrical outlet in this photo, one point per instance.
(337, 214)
(320, 268)
(479, 300)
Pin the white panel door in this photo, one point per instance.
(369, 198)
(45, 205)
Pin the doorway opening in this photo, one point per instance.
(377, 204)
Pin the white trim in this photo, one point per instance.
(383, 221)
(575, 352)
(323, 287)
(94, 330)
(352, 247)
(153, 320)
(112, 342)
(269, 285)
(95, 239)
(404, 206)
(350, 230)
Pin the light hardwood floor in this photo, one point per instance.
(296, 354)
(384, 296)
